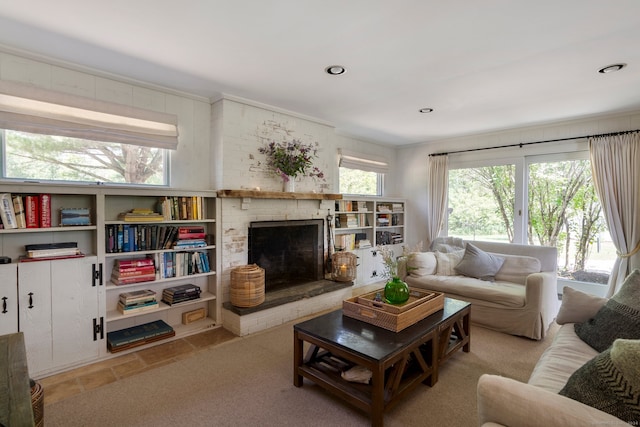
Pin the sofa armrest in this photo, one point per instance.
(508, 402)
(542, 292)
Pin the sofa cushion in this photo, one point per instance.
(497, 294)
(610, 381)
(516, 268)
(618, 318)
(578, 307)
(560, 360)
(421, 263)
(479, 264)
(447, 262)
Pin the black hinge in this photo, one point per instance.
(97, 274)
(98, 328)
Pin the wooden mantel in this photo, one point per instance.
(258, 194)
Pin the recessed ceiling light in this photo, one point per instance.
(426, 110)
(611, 68)
(335, 70)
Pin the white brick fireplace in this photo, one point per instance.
(236, 215)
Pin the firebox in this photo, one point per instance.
(291, 252)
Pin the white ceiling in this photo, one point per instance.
(482, 65)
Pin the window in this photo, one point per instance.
(48, 135)
(560, 209)
(361, 174)
(481, 203)
(354, 181)
(29, 156)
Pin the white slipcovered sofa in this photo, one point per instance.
(520, 299)
(543, 400)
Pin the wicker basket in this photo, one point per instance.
(37, 403)
(247, 286)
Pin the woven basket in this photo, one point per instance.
(37, 403)
(247, 286)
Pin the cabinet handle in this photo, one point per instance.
(30, 300)
(4, 304)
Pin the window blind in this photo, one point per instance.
(364, 162)
(32, 109)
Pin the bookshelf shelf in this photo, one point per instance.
(111, 286)
(49, 229)
(113, 315)
(156, 251)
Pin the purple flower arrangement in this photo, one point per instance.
(292, 158)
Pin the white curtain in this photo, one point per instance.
(437, 189)
(615, 164)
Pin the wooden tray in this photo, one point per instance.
(421, 303)
(416, 296)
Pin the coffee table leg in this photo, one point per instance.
(377, 397)
(297, 359)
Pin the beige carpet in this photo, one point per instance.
(249, 382)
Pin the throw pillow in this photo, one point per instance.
(618, 318)
(421, 264)
(447, 262)
(610, 381)
(479, 264)
(577, 306)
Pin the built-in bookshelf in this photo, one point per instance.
(362, 225)
(173, 232)
(74, 297)
(366, 222)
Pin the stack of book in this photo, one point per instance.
(51, 251)
(137, 301)
(136, 270)
(191, 236)
(124, 339)
(140, 215)
(180, 293)
(181, 208)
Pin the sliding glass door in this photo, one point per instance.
(538, 200)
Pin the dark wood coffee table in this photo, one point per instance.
(399, 361)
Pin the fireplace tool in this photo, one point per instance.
(328, 267)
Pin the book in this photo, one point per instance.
(54, 252)
(137, 309)
(32, 211)
(18, 210)
(134, 271)
(135, 279)
(134, 262)
(138, 335)
(44, 201)
(75, 216)
(57, 245)
(6, 211)
(24, 258)
(133, 296)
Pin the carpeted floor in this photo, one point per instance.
(249, 382)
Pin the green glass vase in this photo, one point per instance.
(396, 291)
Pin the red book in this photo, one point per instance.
(45, 210)
(136, 279)
(32, 211)
(137, 271)
(139, 262)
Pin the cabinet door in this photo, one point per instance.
(34, 290)
(74, 305)
(8, 299)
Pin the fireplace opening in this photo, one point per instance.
(291, 252)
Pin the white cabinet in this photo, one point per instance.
(59, 306)
(8, 299)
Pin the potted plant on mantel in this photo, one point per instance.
(290, 159)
